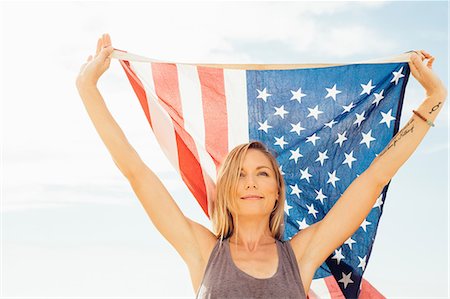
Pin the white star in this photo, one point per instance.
(322, 157)
(331, 123)
(297, 95)
(332, 92)
(295, 155)
(397, 75)
(387, 118)
(295, 190)
(349, 159)
(349, 242)
(367, 88)
(362, 262)
(280, 111)
(281, 170)
(312, 139)
(320, 195)
(302, 224)
(378, 97)
(312, 211)
(297, 128)
(314, 112)
(348, 108)
(338, 256)
(346, 279)
(341, 138)
(280, 142)
(365, 224)
(333, 178)
(264, 126)
(287, 207)
(367, 138)
(379, 202)
(305, 174)
(263, 94)
(359, 118)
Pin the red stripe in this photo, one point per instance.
(167, 89)
(215, 112)
(333, 287)
(138, 88)
(369, 292)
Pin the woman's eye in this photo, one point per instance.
(265, 173)
(241, 174)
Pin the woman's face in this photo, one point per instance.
(257, 186)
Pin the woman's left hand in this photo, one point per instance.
(425, 75)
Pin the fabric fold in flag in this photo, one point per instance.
(324, 123)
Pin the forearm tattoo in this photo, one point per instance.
(408, 128)
(436, 107)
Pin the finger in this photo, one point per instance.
(89, 58)
(107, 40)
(430, 62)
(99, 46)
(413, 66)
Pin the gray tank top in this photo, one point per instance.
(223, 279)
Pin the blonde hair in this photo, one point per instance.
(226, 189)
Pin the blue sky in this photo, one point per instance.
(71, 225)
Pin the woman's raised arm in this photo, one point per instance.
(186, 236)
(358, 199)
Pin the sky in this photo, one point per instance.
(71, 225)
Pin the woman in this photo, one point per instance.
(249, 207)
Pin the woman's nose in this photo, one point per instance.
(250, 183)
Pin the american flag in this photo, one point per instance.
(324, 123)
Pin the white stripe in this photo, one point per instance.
(235, 82)
(319, 287)
(161, 122)
(194, 124)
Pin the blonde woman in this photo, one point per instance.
(245, 256)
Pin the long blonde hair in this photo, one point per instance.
(226, 189)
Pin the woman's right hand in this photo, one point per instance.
(94, 67)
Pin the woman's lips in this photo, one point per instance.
(251, 197)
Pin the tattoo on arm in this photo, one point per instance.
(408, 128)
(436, 107)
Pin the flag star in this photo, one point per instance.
(348, 108)
(320, 195)
(333, 178)
(287, 207)
(297, 128)
(295, 190)
(305, 174)
(312, 139)
(322, 157)
(379, 202)
(295, 155)
(367, 88)
(281, 170)
(365, 224)
(331, 123)
(349, 242)
(362, 262)
(338, 256)
(280, 111)
(302, 224)
(349, 159)
(314, 112)
(332, 92)
(297, 95)
(263, 94)
(312, 211)
(397, 75)
(367, 138)
(341, 138)
(264, 126)
(346, 279)
(359, 118)
(280, 141)
(378, 98)
(387, 118)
